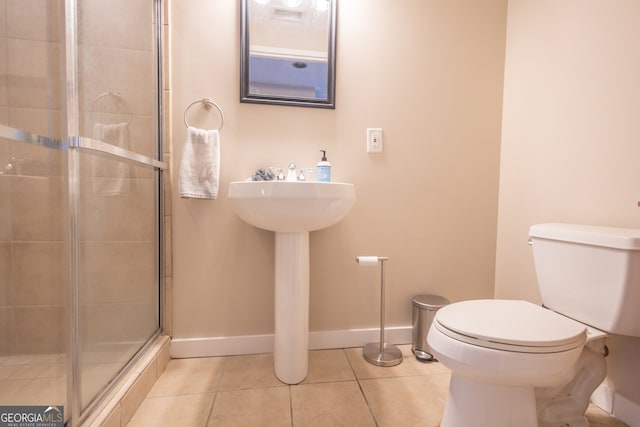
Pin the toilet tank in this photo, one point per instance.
(590, 273)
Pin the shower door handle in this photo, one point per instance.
(91, 144)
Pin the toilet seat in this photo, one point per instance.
(509, 325)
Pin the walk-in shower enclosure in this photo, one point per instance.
(80, 196)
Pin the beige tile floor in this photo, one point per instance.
(32, 379)
(341, 389)
(40, 379)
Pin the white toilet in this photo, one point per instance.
(515, 363)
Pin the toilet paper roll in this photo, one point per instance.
(367, 261)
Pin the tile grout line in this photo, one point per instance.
(290, 406)
(215, 393)
(364, 396)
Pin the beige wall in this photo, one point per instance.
(570, 144)
(430, 73)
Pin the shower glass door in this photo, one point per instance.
(80, 206)
(33, 205)
(116, 192)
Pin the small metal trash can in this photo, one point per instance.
(424, 310)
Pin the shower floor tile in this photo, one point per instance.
(340, 389)
(32, 380)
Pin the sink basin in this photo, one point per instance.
(291, 206)
(292, 210)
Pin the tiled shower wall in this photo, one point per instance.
(116, 275)
(32, 211)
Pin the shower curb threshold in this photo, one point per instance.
(123, 400)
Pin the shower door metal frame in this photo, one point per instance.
(76, 144)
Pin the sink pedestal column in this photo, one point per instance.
(291, 342)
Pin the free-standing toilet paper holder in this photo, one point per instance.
(379, 353)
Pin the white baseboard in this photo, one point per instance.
(603, 398)
(616, 404)
(625, 410)
(254, 344)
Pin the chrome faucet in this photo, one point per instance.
(12, 167)
(291, 175)
(277, 173)
(301, 174)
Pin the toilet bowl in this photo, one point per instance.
(500, 352)
(515, 363)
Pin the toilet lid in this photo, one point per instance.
(510, 325)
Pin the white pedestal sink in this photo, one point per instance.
(292, 210)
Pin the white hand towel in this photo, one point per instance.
(112, 177)
(200, 165)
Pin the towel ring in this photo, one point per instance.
(207, 105)
(116, 95)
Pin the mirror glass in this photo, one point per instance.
(288, 52)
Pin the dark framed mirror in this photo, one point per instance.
(287, 52)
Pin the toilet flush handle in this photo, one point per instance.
(530, 242)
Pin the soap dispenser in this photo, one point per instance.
(324, 168)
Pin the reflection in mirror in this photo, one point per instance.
(288, 52)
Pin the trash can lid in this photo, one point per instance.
(432, 302)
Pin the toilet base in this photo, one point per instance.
(474, 403)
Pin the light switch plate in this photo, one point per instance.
(374, 140)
